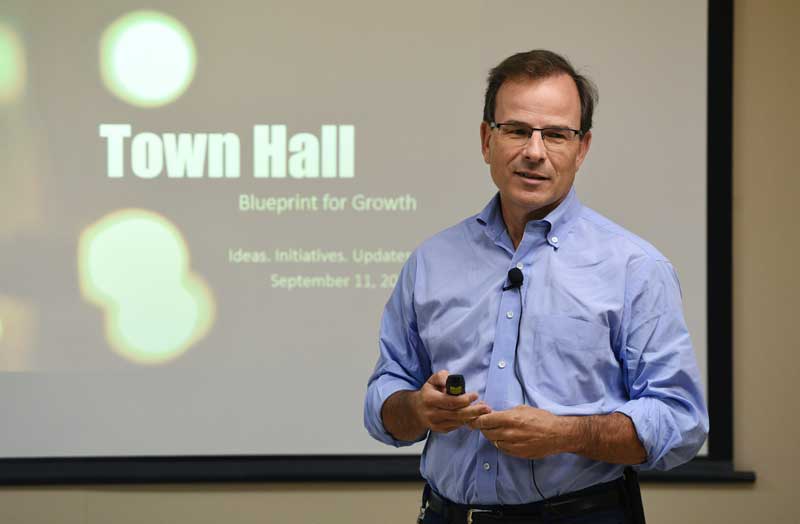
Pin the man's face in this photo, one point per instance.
(533, 179)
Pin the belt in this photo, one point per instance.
(606, 496)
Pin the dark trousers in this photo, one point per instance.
(625, 507)
(606, 517)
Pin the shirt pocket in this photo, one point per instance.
(570, 361)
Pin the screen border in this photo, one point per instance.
(717, 466)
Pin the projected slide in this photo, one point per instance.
(204, 211)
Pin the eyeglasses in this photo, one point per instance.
(554, 138)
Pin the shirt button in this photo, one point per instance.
(510, 314)
(501, 364)
(487, 466)
(520, 265)
(554, 240)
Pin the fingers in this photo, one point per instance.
(444, 412)
(444, 420)
(495, 419)
(471, 413)
(433, 396)
(449, 419)
(438, 382)
(521, 431)
(453, 403)
(504, 434)
(496, 425)
(436, 399)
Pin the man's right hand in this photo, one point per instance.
(407, 415)
(441, 412)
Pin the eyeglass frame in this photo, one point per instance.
(578, 133)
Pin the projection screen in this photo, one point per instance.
(204, 207)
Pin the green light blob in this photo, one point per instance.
(147, 58)
(12, 65)
(1, 329)
(134, 264)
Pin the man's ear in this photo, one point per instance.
(486, 135)
(586, 142)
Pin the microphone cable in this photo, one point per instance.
(516, 278)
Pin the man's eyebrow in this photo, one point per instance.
(517, 123)
(548, 126)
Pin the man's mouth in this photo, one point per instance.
(530, 176)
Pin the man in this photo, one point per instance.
(584, 368)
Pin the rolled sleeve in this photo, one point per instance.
(377, 393)
(666, 396)
(403, 363)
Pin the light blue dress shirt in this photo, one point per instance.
(602, 331)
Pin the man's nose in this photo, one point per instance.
(534, 149)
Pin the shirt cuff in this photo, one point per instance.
(377, 394)
(656, 431)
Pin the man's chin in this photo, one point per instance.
(529, 198)
(527, 205)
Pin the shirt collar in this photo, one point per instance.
(492, 218)
(558, 220)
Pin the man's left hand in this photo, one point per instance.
(524, 431)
